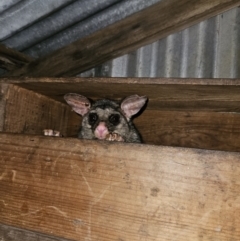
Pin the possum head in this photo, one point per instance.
(105, 116)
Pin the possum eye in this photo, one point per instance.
(114, 119)
(92, 118)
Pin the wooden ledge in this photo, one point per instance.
(89, 190)
(118, 80)
(163, 93)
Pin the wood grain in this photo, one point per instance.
(30, 113)
(205, 130)
(120, 80)
(89, 190)
(144, 27)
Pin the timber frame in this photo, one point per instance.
(59, 189)
(73, 189)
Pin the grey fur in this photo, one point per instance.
(104, 109)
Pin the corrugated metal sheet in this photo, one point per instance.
(210, 49)
(65, 26)
(5, 4)
(24, 13)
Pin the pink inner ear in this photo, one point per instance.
(133, 104)
(80, 104)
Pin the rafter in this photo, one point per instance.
(147, 26)
(11, 59)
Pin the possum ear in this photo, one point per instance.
(80, 104)
(132, 105)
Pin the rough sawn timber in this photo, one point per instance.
(144, 27)
(217, 95)
(89, 190)
(26, 112)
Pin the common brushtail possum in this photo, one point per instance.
(107, 119)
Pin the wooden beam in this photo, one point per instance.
(164, 94)
(96, 190)
(196, 129)
(144, 27)
(11, 59)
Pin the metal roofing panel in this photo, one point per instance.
(5, 4)
(25, 13)
(55, 23)
(210, 49)
(92, 24)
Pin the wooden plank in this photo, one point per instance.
(11, 59)
(27, 112)
(89, 190)
(164, 94)
(144, 27)
(120, 80)
(205, 130)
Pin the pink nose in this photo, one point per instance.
(101, 131)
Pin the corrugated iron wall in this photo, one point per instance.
(210, 49)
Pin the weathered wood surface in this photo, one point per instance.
(87, 190)
(205, 130)
(120, 80)
(146, 26)
(11, 59)
(23, 111)
(164, 94)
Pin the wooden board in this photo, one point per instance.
(89, 190)
(23, 111)
(205, 130)
(164, 94)
(144, 27)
